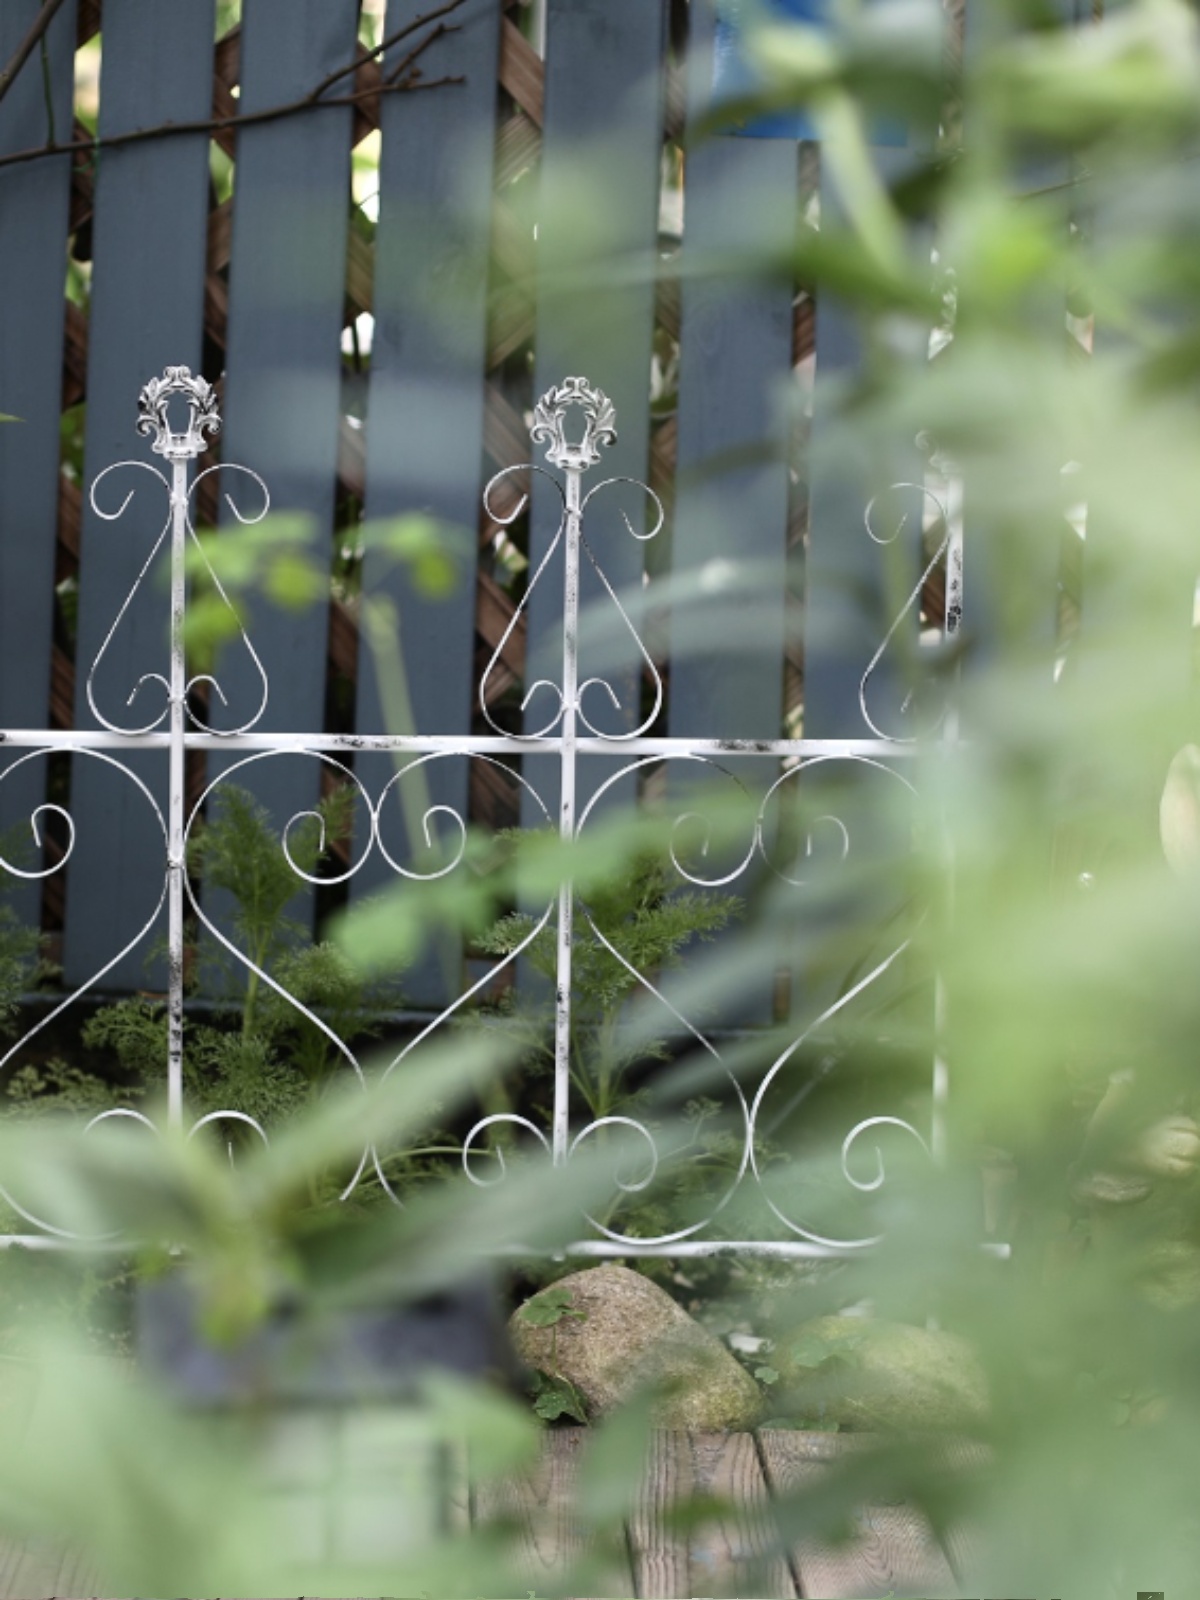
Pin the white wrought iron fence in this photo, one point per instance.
(575, 423)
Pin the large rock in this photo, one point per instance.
(861, 1373)
(622, 1333)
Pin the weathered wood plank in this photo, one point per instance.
(893, 1550)
(147, 304)
(731, 507)
(283, 356)
(30, 1570)
(33, 237)
(598, 214)
(729, 556)
(729, 1552)
(541, 1505)
(425, 428)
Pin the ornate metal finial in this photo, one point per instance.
(599, 425)
(203, 416)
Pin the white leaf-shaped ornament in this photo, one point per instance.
(1179, 812)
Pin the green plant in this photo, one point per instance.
(554, 1395)
(261, 1053)
(651, 923)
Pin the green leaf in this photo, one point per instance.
(547, 1309)
(811, 1351)
(557, 1397)
(767, 1375)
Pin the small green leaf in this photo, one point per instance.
(810, 1350)
(557, 1397)
(6, 417)
(547, 1309)
(766, 1375)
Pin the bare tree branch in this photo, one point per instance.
(37, 32)
(312, 101)
(392, 39)
(162, 130)
(417, 50)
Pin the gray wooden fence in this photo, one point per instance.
(519, 219)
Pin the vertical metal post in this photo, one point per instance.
(179, 448)
(566, 816)
(950, 733)
(574, 458)
(175, 814)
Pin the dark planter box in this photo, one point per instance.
(361, 1356)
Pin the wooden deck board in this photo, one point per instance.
(893, 1551)
(35, 1571)
(541, 1505)
(726, 1548)
(728, 1553)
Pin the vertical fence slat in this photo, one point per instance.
(283, 353)
(598, 219)
(33, 237)
(741, 198)
(425, 417)
(146, 311)
(1011, 600)
(856, 578)
(729, 548)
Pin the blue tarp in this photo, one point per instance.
(733, 77)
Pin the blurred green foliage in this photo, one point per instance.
(1062, 192)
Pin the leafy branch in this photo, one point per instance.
(404, 78)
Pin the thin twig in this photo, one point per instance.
(218, 124)
(28, 44)
(418, 50)
(392, 39)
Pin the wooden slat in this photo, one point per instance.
(493, 615)
(541, 1505)
(282, 398)
(601, 168)
(729, 1553)
(893, 1551)
(88, 21)
(33, 234)
(849, 600)
(74, 354)
(426, 410)
(518, 144)
(82, 180)
(505, 437)
(148, 237)
(33, 1571)
(732, 499)
(510, 321)
(513, 244)
(521, 71)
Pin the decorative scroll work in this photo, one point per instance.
(549, 428)
(549, 419)
(779, 840)
(949, 550)
(154, 423)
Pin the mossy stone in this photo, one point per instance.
(624, 1334)
(884, 1376)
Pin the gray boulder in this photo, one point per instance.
(884, 1376)
(623, 1333)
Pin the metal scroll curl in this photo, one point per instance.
(868, 977)
(245, 520)
(908, 614)
(162, 539)
(44, 1223)
(575, 457)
